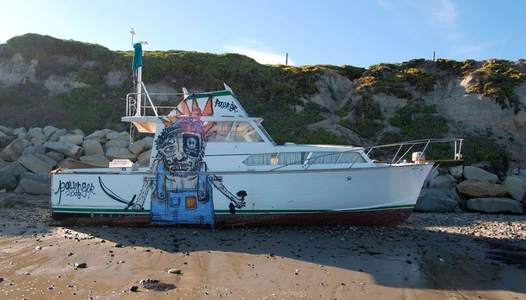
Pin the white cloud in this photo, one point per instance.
(261, 56)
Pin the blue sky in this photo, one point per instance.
(356, 32)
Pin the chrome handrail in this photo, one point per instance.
(457, 151)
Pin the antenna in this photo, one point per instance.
(132, 32)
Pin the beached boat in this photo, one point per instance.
(213, 164)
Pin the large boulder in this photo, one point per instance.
(120, 153)
(78, 132)
(19, 130)
(57, 134)
(49, 130)
(65, 148)
(479, 174)
(7, 181)
(137, 147)
(457, 171)
(13, 168)
(148, 142)
(56, 156)
(99, 135)
(144, 158)
(515, 186)
(437, 200)
(114, 135)
(36, 132)
(37, 163)
(5, 139)
(14, 149)
(72, 138)
(476, 189)
(495, 205)
(442, 182)
(92, 147)
(432, 175)
(98, 160)
(35, 184)
(6, 130)
(38, 149)
(117, 143)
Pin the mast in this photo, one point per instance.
(137, 70)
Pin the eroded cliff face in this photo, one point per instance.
(70, 84)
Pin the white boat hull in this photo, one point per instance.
(277, 197)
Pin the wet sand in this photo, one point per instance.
(431, 256)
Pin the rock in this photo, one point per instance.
(479, 174)
(114, 135)
(457, 171)
(117, 143)
(71, 138)
(5, 139)
(14, 149)
(39, 149)
(78, 132)
(495, 205)
(7, 181)
(19, 130)
(81, 265)
(14, 168)
(124, 153)
(37, 163)
(434, 173)
(148, 142)
(98, 160)
(476, 189)
(515, 186)
(99, 135)
(521, 172)
(36, 132)
(49, 130)
(36, 141)
(92, 147)
(6, 130)
(35, 184)
(134, 288)
(442, 182)
(437, 200)
(144, 158)
(67, 149)
(137, 147)
(3, 162)
(56, 156)
(57, 134)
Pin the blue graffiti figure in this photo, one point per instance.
(183, 193)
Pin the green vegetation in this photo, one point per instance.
(345, 109)
(418, 121)
(397, 79)
(497, 79)
(475, 149)
(365, 128)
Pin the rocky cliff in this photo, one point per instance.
(70, 84)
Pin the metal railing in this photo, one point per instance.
(149, 105)
(406, 147)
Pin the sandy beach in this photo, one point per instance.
(431, 256)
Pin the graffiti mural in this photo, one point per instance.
(183, 192)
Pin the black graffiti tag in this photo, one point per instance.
(77, 189)
(225, 105)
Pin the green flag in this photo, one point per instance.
(137, 56)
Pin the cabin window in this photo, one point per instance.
(298, 158)
(336, 158)
(266, 159)
(232, 132)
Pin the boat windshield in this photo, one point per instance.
(232, 132)
(265, 133)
